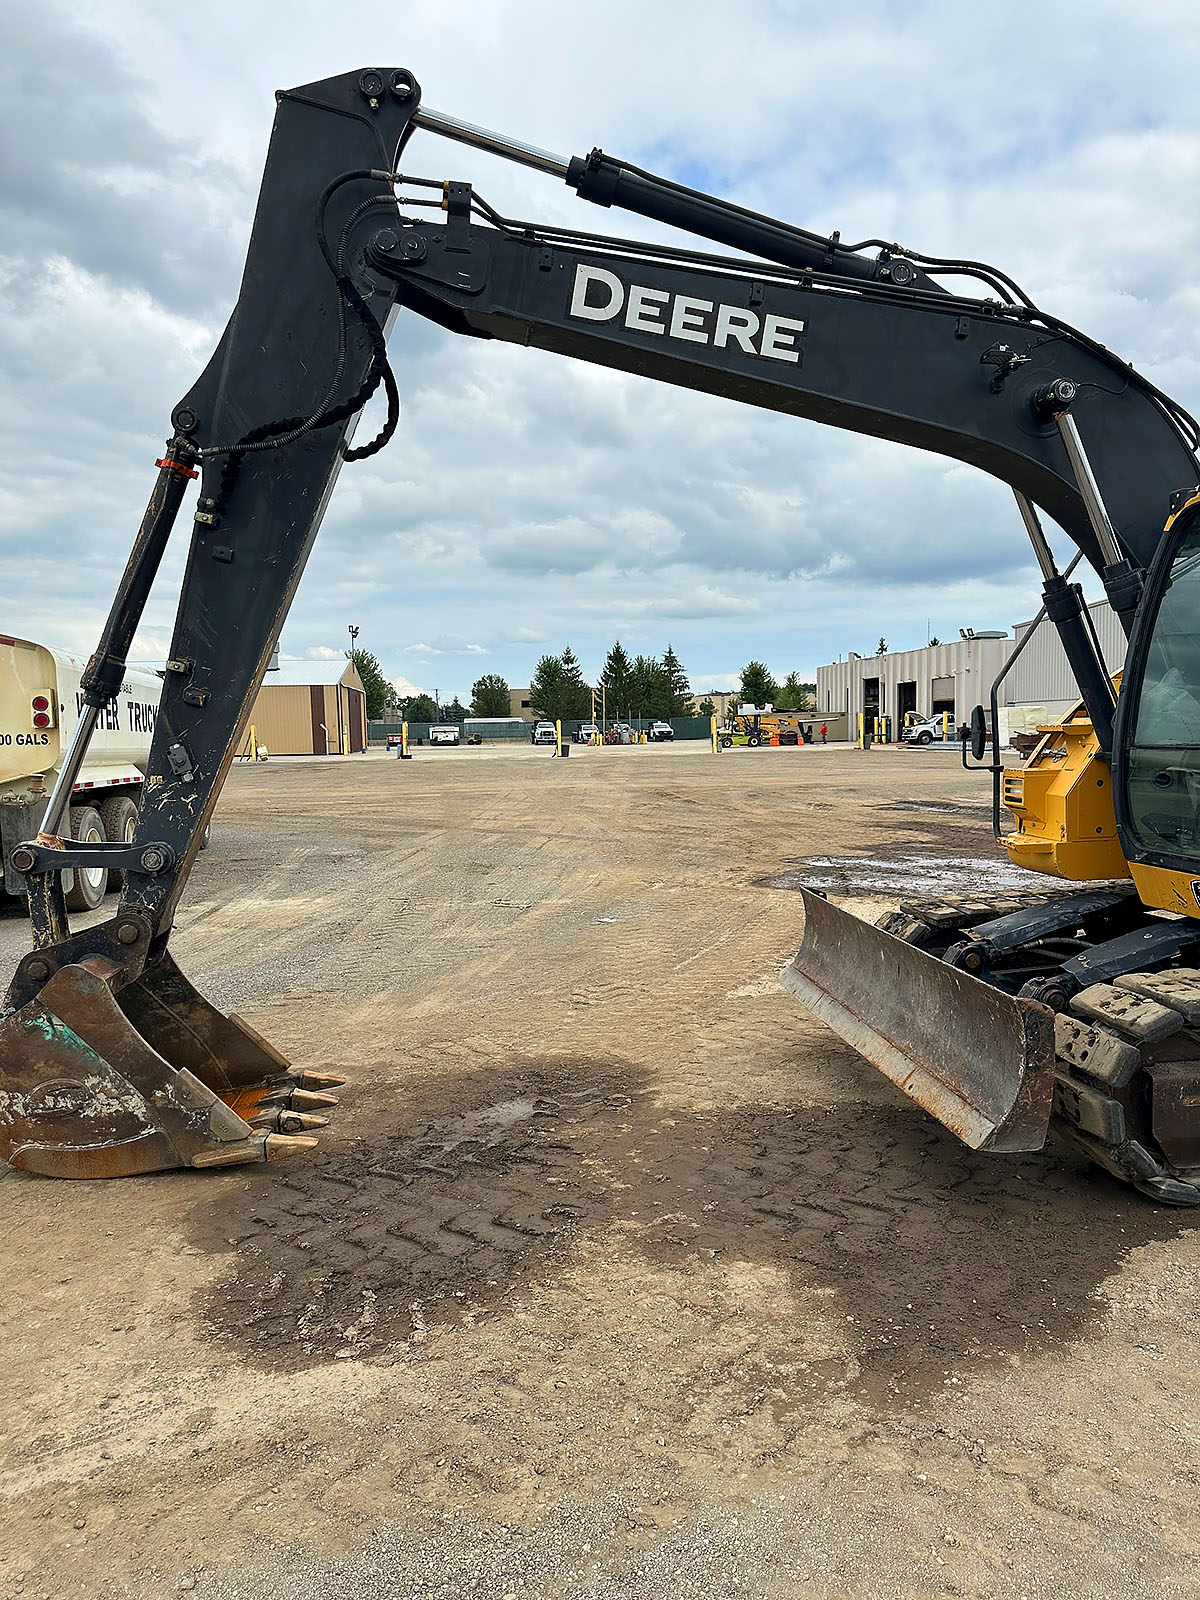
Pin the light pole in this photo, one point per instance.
(345, 738)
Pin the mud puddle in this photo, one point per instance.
(923, 872)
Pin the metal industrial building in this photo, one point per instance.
(307, 708)
(956, 676)
(949, 677)
(1040, 687)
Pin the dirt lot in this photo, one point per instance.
(616, 1275)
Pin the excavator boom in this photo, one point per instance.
(111, 1062)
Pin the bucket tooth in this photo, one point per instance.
(279, 1119)
(979, 1060)
(306, 1100)
(279, 1145)
(261, 1147)
(320, 1080)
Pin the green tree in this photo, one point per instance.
(489, 696)
(373, 681)
(794, 695)
(615, 677)
(578, 696)
(706, 708)
(420, 708)
(758, 687)
(649, 689)
(679, 690)
(549, 691)
(455, 711)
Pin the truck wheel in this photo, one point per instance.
(85, 886)
(118, 814)
(925, 737)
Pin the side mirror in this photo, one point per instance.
(978, 733)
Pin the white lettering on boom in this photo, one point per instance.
(598, 295)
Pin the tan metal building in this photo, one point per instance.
(311, 708)
(518, 705)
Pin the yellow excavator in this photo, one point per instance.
(1000, 1015)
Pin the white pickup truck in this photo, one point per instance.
(40, 701)
(927, 730)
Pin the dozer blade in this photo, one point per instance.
(97, 1082)
(979, 1060)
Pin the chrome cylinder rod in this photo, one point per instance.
(498, 144)
(60, 797)
(1037, 536)
(1089, 490)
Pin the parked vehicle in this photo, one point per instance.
(543, 733)
(660, 732)
(39, 708)
(586, 734)
(924, 730)
(445, 733)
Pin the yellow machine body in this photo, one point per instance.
(1062, 802)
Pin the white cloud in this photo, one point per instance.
(529, 500)
(405, 687)
(447, 645)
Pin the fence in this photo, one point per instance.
(418, 732)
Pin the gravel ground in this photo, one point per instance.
(615, 1274)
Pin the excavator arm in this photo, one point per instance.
(111, 1061)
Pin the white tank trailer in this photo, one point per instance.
(40, 700)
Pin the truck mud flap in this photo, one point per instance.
(977, 1059)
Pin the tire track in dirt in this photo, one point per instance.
(938, 1259)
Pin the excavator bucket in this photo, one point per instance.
(106, 1082)
(979, 1060)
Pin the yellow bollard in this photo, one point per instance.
(558, 738)
(404, 741)
(712, 729)
(859, 733)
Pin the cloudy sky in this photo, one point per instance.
(526, 500)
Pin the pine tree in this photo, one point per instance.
(650, 693)
(679, 690)
(579, 694)
(758, 687)
(615, 677)
(455, 711)
(706, 708)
